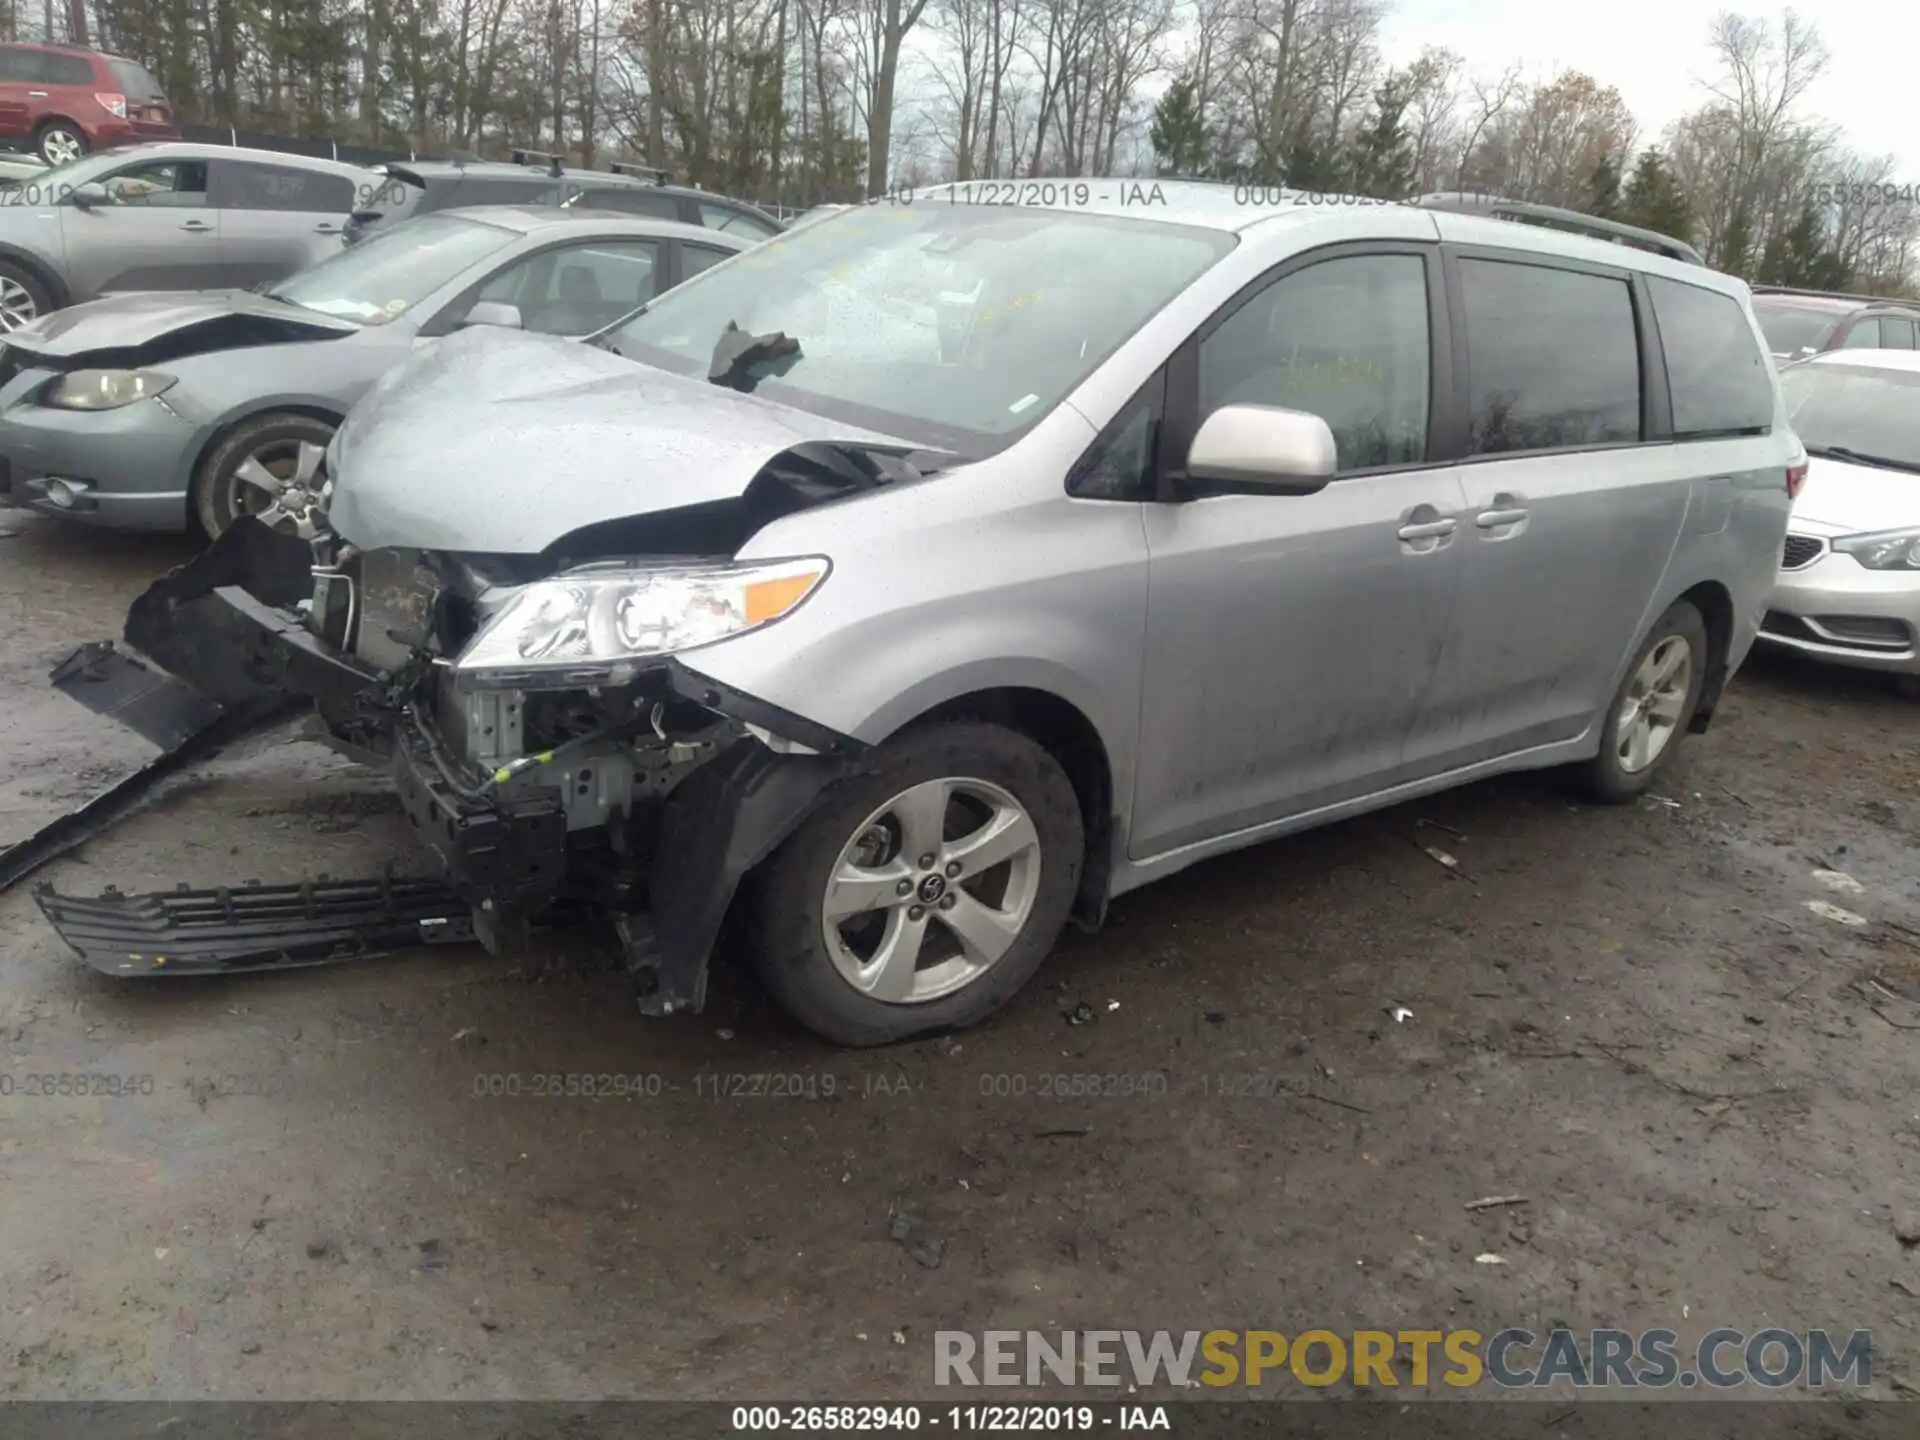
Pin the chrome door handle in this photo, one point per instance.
(36, 94)
(198, 227)
(1428, 529)
(1494, 519)
(326, 228)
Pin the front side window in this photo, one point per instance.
(1553, 358)
(1344, 339)
(176, 184)
(1862, 335)
(695, 258)
(1895, 333)
(392, 271)
(1720, 382)
(580, 289)
(19, 66)
(959, 326)
(1861, 412)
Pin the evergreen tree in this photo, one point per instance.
(1310, 165)
(1652, 199)
(1603, 189)
(1381, 155)
(1736, 246)
(1179, 132)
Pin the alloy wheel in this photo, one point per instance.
(932, 891)
(283, 484)
(17, 305)
(1655, 704)
(58, 147)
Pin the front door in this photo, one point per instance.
(146, 226)
(1291, 639)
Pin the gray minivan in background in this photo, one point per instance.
(934, 574)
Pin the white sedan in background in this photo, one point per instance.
(1849, 588)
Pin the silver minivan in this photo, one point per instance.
(896, 592)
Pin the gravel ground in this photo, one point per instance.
(1631, 1017)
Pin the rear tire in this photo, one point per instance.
(59, 141)
(1648, 718)
(24, 296)
(999, 824)
(234, 478)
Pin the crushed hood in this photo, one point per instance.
(1845, 499)
(149, 323)
(496, 442)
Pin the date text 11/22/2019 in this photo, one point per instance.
(954, 1419)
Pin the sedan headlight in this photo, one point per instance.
(104, 389)
(597, 624)
(1887, 550)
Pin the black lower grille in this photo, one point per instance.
(1800, 550)
(1876, 631)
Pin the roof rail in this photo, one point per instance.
(1904, 301)
(537, 157)
(1553, 217)
(633, 167)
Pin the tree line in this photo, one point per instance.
(801, 101)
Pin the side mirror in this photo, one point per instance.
(86, 196)
(493, 312)
(1263, 450)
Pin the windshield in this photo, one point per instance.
(58, 181)
(1791, 328)
(952, 325)
(1871, 411)
(389, 273)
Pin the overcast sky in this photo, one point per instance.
(1655, 52)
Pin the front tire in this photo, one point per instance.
(24, 297)
(921, 896)
(273, 468)
(59, 141)
(1648, 718)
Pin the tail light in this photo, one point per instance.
(1796, 478)
(114, 105)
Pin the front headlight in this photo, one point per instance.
(104, 389)
(1887, 550)
(597, 624)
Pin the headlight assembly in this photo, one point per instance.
(104, 389)
(599, 624)
(1885, 550)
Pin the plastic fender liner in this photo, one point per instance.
(718, 824)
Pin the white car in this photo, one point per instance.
(1849, 588)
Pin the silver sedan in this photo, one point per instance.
(173, 412)
(1849, 588)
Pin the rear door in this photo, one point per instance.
(1572, 511)
(153, 229)
(277, 219)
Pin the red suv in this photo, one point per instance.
(63, 101)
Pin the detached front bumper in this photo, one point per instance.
(1836, 609)
(222, 626)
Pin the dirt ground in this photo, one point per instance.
(1628, 1016)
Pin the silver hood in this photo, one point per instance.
(496, 442)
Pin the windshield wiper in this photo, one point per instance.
(1857, 457)
(738, 355)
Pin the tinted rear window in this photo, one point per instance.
(135, 82)
(67, 69)
(1720, 380)
(1553, 358)
(473, 190)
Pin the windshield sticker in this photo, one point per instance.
(1022, 403)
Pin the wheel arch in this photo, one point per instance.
(37, 266)
(1068, 734)
(1715, 604)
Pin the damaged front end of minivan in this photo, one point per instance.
(553, 742)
